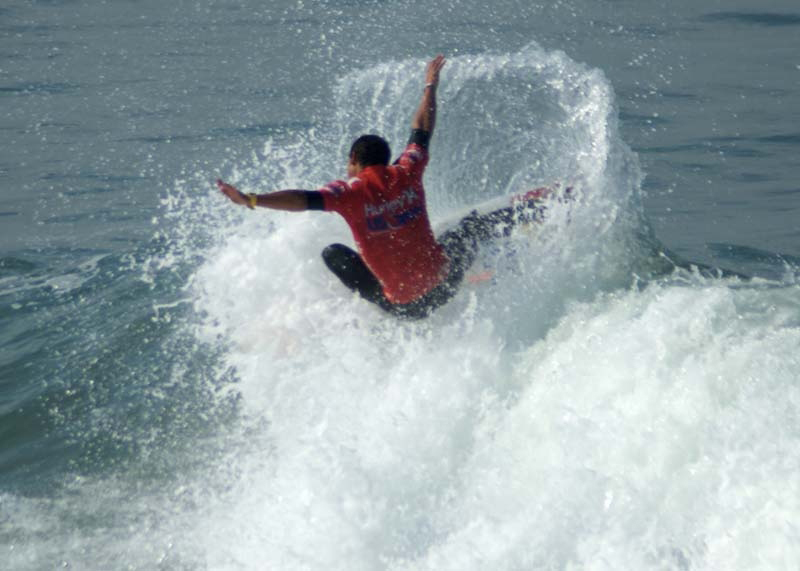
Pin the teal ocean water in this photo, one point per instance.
(184, 386)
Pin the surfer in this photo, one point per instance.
(400, 265)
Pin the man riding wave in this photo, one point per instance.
(400, 265)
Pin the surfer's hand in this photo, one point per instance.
(432, 72)
(233, 193)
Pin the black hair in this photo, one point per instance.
(370, 150)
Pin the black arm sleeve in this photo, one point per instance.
(315, 201)
(420, 137)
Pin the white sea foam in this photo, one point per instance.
(557, 418)
(654, 429)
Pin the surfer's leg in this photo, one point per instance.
(476, 229)
(462, 242)
(500, 223)
(460, 245)
(348, 266)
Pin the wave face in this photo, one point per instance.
(561, 415)
(594, 405)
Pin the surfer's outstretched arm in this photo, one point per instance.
(291, 200)
(425, 117)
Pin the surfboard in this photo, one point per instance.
(526, 208)
(519, 212)
(529, 205)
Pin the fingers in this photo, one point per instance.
(227, 189)
(434, 67)
(231, 192)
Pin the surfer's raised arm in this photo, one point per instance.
(422, 125)
(425, 117)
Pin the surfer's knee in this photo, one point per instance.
(335, 255)
(333, 250)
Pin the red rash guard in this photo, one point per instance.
(385, 209)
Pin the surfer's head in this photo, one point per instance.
(367, 151)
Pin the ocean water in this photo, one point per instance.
(184, 386)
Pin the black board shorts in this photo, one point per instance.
(460, 244)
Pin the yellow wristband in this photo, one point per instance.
(253, 199)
